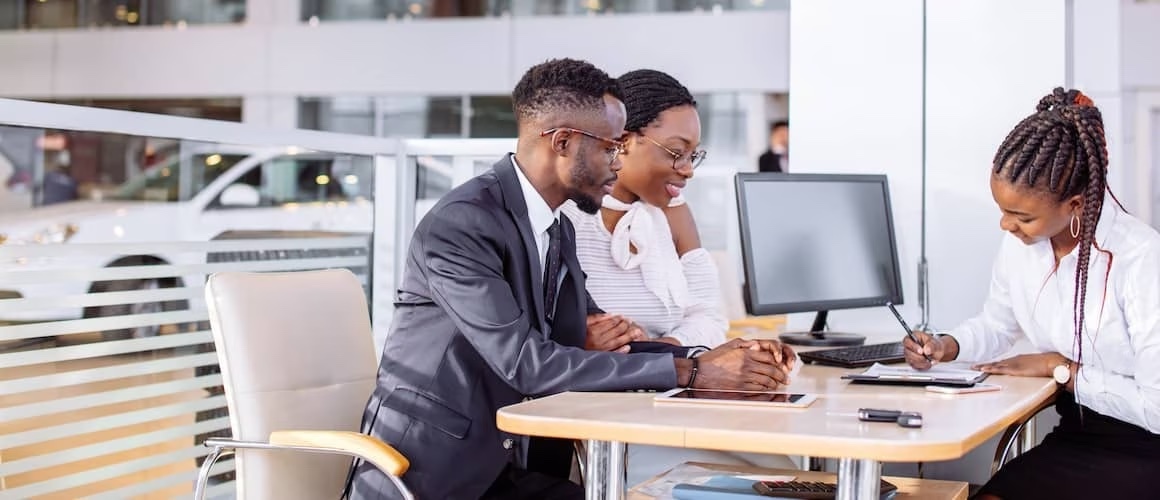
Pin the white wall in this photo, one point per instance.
(733, 51)
(978, 88)
(1141, 43)
(1140, 74)
(278, 57)
(273, 111)
(1097, 70)
(855, 107)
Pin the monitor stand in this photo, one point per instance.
(816, 337)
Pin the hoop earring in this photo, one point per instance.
(1074, 225)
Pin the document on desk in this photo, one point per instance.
(939, 374)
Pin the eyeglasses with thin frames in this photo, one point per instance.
(615, 149)
(693, 157)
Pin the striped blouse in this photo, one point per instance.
(623, 291)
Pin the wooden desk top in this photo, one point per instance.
(953, 424)
(908, 488)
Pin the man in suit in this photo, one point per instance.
(479, 325)
(776, 158)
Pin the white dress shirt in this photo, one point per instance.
(539, 214)
(1120, 372)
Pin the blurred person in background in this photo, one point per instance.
(776, 158)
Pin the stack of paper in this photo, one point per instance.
(945, 371)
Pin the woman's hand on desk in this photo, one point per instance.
(1029, 365)
(929, 349)
(744, 365)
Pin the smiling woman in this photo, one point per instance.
(634, 246)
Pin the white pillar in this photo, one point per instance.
(855, 106)
(1096, 70)
(978, 89)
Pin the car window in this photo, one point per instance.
(298, 179)
(163, 181)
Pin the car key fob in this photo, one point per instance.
(874, 415)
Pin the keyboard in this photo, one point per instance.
(856, 356)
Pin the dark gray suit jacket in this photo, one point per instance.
(469, 337)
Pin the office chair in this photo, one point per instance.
(1020, 434)
(298, 364)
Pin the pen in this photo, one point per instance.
(909, 332)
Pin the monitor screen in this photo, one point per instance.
(816, 242)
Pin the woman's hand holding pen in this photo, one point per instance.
(928, 350)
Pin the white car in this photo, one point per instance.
(196, 196)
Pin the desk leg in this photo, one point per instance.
(605, 474)
(858, 479)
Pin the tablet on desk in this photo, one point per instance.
(948, 375)
(737, 398)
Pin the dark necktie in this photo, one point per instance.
(547, 455)
(552, 270)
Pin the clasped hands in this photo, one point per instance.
(754, 365)
(746, 365)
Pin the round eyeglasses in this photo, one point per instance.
(693, 158)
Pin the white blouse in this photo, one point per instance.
(684, 304)
(1120, 372)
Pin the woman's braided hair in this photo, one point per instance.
(1061, 150)
(648, 93)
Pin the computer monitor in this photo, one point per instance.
(814, 243)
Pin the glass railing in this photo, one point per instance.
(65, 14)
(109, 224)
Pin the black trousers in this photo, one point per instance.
(1090, 457)
(519, 484)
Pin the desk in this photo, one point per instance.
(953, 426)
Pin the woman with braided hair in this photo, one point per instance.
(641, 251)
(1080, 278)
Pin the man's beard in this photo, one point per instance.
(582, 180)
(584, 202)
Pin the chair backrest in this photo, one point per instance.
(296, 353)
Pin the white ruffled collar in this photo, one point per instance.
(643, 228)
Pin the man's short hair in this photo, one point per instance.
(778, 124)
(561, 85)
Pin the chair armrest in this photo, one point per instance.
(382, 455)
